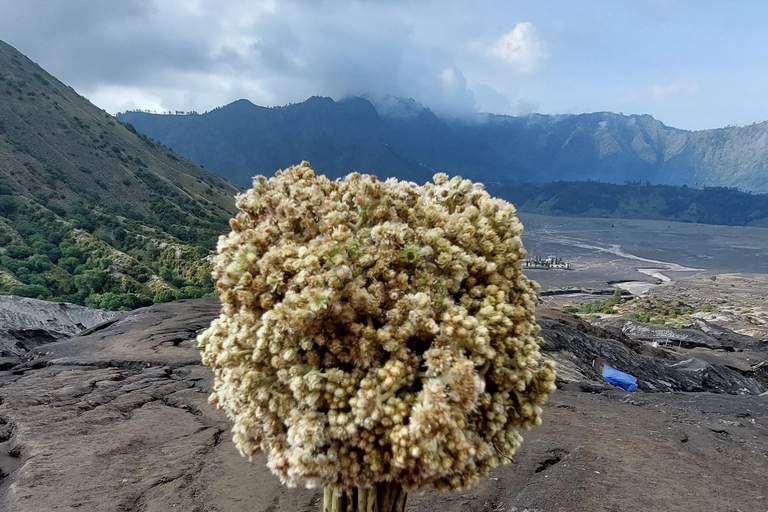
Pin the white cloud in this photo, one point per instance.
(526, 106)
(521, 47)
(454, 98)
(452, 78)
(453, 56)
(199, 54)
(492, 101)
(121, 98)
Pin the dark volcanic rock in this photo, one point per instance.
(28, 323)
(726, 336)
(599, 331)
(704, 335)
(17, 342)
(578, 356)
(160, 335)
(6, 363)
(118, 420)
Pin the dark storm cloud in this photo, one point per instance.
(86, 42)
(177, 54)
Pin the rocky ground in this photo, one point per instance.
(735, 301)
(28, 323)
(117, 420)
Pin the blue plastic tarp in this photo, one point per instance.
(619, 379)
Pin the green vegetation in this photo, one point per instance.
(115, 266)
(605, 306)
(714, 205)
(92, 212)
(655, 310)
(649, 310)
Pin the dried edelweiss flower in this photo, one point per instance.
(375, 331)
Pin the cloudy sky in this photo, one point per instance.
(690, 63)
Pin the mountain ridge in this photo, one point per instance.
(404, 139)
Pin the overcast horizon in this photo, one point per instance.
(691, 65)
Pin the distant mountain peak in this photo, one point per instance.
(394, 136)
(396, 107)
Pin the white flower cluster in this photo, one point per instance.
(375, 331)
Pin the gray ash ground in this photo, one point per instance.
(118, 420)
(592, 245)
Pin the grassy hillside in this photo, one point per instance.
(91, 211)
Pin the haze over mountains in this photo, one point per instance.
(406, 140)
(91, 211)
(94, 212)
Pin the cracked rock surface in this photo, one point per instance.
(578, 348)
(29, 323)
(118, 420)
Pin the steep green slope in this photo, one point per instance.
(241, 139)
(90, 210)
